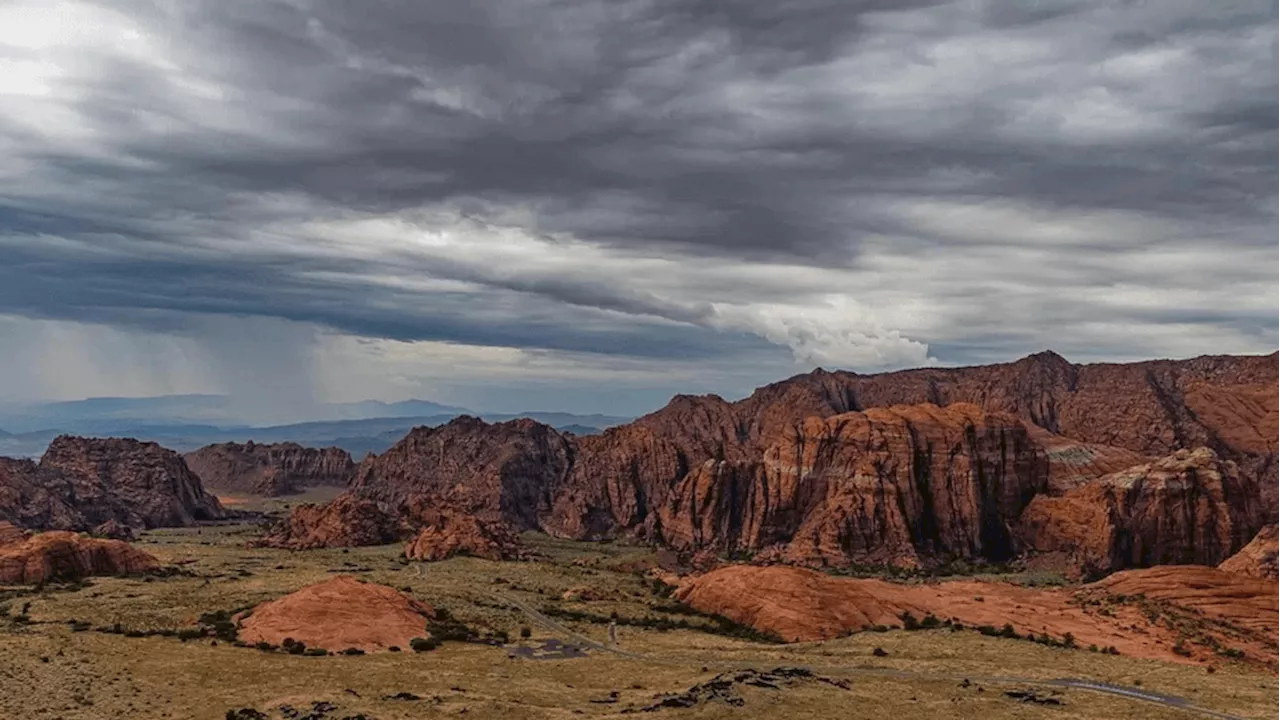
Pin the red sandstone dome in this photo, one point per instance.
(338, 614)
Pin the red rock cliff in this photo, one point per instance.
(1190, 507)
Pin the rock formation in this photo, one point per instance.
(887, 485)
(504, 472)
(837, 468)
(273, 469)
(797, 604)
(891, 485)
(1258, 558)
(1187, 508)
(338, 614)
(62, 556)
(348, 521)
(84, 483)
(446, 534)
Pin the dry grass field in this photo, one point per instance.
(51, 669)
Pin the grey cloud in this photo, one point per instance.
(719, 132)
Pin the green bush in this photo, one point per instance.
(525, 632)
(315, 652)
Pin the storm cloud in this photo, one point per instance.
(660, 194)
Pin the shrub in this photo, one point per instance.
(297, 648)
(394, 648)
(315, 652)
(353, 651)
(1180, 649)
(186, 634)
(264, 646)
(423, 644)
(1230, 652)
(1008, 632)
(909, 621)
(1068, 640)
(930, 621)
(880, 652)
(526, 632)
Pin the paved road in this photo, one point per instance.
(1129, 693)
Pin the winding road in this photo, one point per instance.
(1129, 693)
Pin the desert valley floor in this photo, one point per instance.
(112, 647)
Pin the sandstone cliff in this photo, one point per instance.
(90, 483)
(1190, 507)
(61, 556)
(274, 469)
(889, 485)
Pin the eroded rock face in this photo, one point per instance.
(272, 469)
(1258, 558)
(446, 534)
(504, 472)
(1190, 507)
(84, 483)
(890, 485)
(339, 614)
(62, 556)
(886, 485)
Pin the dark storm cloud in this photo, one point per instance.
(799, 134)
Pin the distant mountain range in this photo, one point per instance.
(187, 422)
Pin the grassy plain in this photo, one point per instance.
(50, 670)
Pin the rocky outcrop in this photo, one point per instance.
(1188, 508)
(446, 534)
(797, 604)
(1258, 558)
(339, 614)
(504, 472)
(272, 469)
(63, 556)
(84, 483)
(348, 521)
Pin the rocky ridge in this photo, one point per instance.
(839, 468)
(270, 469)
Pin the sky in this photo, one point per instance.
(590, 206)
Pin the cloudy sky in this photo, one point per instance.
(592, 205)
